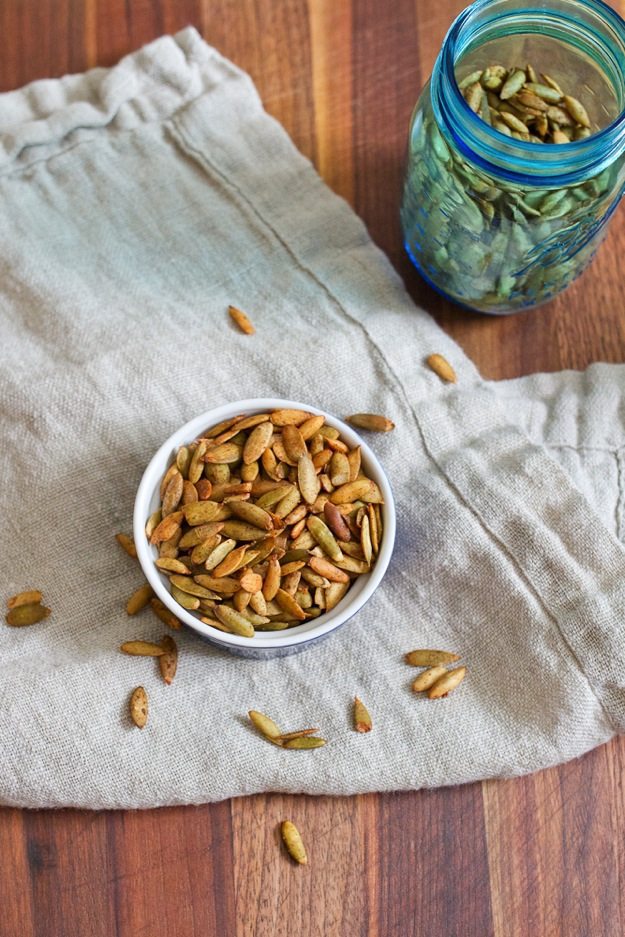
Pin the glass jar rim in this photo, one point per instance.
(506, 157)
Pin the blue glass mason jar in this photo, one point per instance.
(495, 222)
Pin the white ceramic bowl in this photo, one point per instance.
(269, 643)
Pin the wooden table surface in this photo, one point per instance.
(542, 855)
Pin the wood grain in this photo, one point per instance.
(542, 855)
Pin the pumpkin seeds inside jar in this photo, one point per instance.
(285, 521)
(492, 244)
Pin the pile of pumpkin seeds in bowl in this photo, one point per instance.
(265, 522)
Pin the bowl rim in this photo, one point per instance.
(262, 640)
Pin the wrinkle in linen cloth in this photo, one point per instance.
(138, 202)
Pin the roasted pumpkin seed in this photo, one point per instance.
(168, 660)
(142, 648)
(430, 658)
(139, 707)
(447, 683)
(293, 842)
(362, 718)
(241, 320)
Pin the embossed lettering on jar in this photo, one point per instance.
(495, 216)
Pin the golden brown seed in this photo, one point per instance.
(299, 733)
(447, 683)
(198, 512)
(362, 719)
(257, 442)
(374, 532)
(324, 568)
(189, 492)
(339, 469)
(162, 612)
(127, 544)
(365, 539)
(30, 597)
(234, 621)
(167, 477)
(270, 464)
(430, 658)
(28, 614)
(252, 514)
(167, 527)
(294, 443)
(258, 604)
(139, 599)
(311, 426)
(183, 460)
(250, 581)
(189, 586)
(428, 678)
(558, 136)
(353, 565)
(264, 724)
(203, 489)
(233, 561)
(307, 479)
(272, 578)
(170, 547)
(371, 421)
(190, 602)
(239, 530)
(287, 417)
(559, 116)
(473, 96)
(527, 99)
(168, 661)
(199, 534)
(173, 494)
(512, 84)
(241, 320)
(241, 600)
(577, 110)
(288, 604)
(225, 454)
(304, 742)
(321, 459)
(442, 367)
(223, 585)
(552, 83)
(152, 523)
(170, 565)
(219, 553)
(514, 123)
(201, 553)
(249, 471)
(363, 489)
(293, 842)
(142, 649)
(196, 467)
(292, 567)
(334, 593)
(139, 707)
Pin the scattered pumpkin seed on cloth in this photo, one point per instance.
(508, 544)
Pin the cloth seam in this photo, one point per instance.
(620, 471)
(524, 578)
(182, 139)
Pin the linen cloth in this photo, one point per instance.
(138, 202)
